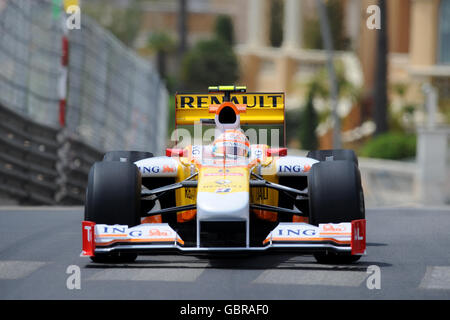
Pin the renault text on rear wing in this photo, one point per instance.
(261, 108)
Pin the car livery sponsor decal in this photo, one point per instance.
(234, 179)
(298, 232)
(294, 166)
(154, 232)
(158, 167)
(341, 229)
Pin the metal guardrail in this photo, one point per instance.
(115, 101)
(40, 164)
(75, 159)
(28, 157)
(86, 79)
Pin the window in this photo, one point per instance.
(444, 33)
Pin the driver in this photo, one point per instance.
(231, 144)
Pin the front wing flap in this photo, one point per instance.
(343, 237)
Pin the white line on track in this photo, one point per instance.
(154, 274)
(39, 208)
(312, 277)
(12, 270)
(436, 277)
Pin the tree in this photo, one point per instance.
(162, 44)
(209, 62)
(224, 29)
(308, 122)
(312, 35)
(124, 23)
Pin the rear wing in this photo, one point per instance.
(261, 108)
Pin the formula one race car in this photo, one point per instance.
(226, 196)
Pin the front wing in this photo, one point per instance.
(153, 237)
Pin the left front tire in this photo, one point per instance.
(113, 197)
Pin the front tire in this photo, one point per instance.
(335, 196)
(113, 197)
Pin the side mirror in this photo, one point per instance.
(175, 152)
(280, 152)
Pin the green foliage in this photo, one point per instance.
(171, 117)
(308, 123)
(124, 23)
(224, 29)
(292, 124)
(161, 41)
(391, 145)
(276, 22)
(209, 62)
(322, 84)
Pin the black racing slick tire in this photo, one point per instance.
(131, 156)
(113, 197)
(333, 155)
(335, 196)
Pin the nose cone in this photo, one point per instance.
(222, 206)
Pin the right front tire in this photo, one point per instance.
(335, 196)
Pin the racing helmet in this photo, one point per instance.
(231, 143)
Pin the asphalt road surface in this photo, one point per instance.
(40, 259)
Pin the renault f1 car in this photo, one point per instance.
(226, 196)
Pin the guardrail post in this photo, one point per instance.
(61, 165)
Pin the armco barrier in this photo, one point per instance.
(49, 136)
(41, 165)
(28, 157)
(75, 159)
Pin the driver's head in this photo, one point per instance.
(231, 144)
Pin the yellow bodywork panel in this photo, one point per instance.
(185, 196)
(225, 179)
(221, 179)
(262, 108)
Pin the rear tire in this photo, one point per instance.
(126, 156)
(131, 156)
(335, 196)
(113, 197)
(333, 155)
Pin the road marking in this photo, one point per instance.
(436, 278)
(312, 277)
(153, 274)
(12, 270)
(6, 209)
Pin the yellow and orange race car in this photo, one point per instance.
(229, 195)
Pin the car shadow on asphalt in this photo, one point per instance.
(265, 261)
